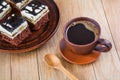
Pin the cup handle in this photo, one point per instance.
(103, 45)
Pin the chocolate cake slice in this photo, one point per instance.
(4, 9)
(36, 14)
(14, 29)
(21, 3)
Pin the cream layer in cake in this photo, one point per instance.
(34, 11)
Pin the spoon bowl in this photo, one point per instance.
(54, 61)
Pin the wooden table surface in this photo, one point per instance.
(31, 65)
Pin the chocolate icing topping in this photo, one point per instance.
(1, 1)
(2, 6)
(12, 22)
(17, 1)
(34, 5)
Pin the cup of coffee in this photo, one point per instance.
(82, 36)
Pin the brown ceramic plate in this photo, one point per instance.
(37, 39)
(74, 58)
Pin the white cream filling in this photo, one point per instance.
(16, 32)
(5, 10)
(32, 18)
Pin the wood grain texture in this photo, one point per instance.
(24, 66)
(112, 16)
(107, 67)
(5, 67)
(31, 65)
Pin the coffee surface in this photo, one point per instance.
(80, 35)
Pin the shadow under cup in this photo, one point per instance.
(82, 36)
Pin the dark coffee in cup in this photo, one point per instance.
(82, 32)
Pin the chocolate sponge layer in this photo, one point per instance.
(40, 24)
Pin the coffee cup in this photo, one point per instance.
(82, 36)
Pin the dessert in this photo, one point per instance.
(15, 22)
(14, 29)
(21, 3)
(36, 14)
(4, 9)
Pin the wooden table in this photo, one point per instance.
(31, 65)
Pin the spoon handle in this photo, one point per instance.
(68, 74)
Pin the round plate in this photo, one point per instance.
(36, 39)
(74, 58)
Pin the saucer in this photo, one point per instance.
(74, 58)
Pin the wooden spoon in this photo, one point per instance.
(53, 61)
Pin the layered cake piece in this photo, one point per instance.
(4, 9)
(14, 29)
(21, 3)
(36, 14)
